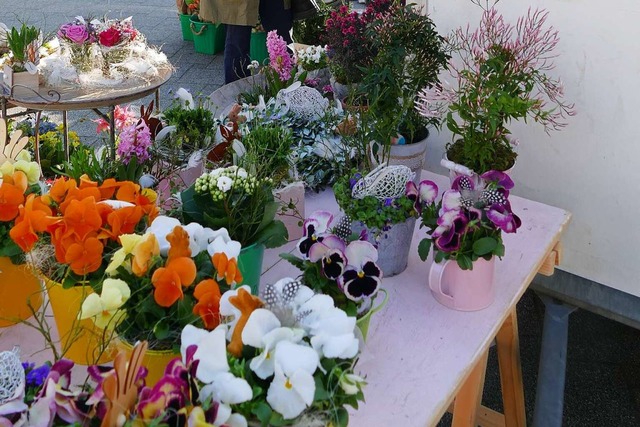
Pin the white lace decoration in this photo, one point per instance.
(304, 102)
(11, 374)
(384, 182)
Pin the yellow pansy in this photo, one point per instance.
(105, 309)
(7, 168)
(31, 169)
(128, 242)
(24, 155)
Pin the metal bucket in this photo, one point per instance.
(393, 245)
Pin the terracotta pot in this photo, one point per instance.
(154, 360)
(80, 340)
(463, 290)
(19, 288)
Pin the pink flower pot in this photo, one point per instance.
(463, 290)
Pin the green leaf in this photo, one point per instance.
(484, 246)
(424, 247)
(342, 417)
(274, 235)
(465, 263)
(293, 260)
(263, 412)
(161, 329)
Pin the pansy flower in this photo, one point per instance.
(314, 229)
(362, 277)
(452, 225)
(503, 218)
(330, 250)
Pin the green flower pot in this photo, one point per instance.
(258, 47)
(208, 38)
(363, 322)
(250, 264)
(185, 26)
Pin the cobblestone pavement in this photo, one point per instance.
(156, 19)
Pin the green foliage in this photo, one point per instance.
(369, 210)
(268, 155)
(18, 41)
(195, 127)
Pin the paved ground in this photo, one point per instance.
(603, 379)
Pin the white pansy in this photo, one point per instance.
(351, 383)
(199, 237)
(161, 227)
(224, 183)
(293, 386)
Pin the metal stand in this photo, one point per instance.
(553, 361)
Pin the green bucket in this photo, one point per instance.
(208, 38)
(258, 48)
(363, 322)
(250, 265)
(185, 26)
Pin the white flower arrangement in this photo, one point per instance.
(312, 58)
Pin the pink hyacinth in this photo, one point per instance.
(279, 57)
(135, 140)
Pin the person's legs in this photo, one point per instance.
(236, 52)
(274, 16)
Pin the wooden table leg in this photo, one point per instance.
(468, 399)
(508, 348)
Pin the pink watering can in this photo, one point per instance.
(464, 290)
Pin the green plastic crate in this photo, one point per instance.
(185, 26)
(258, 48)
(208, 38)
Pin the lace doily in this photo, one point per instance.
(304, 102)
(11, 374)
(384, 182)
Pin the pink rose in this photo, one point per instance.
(110, 37)
(76, 33)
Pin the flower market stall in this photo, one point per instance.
(269, 255)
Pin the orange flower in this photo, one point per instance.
(34, 217)
(246, 303)
(84, 256)
(61, 241)
(179, 243)
(58, 191)
(124, 220)
(226, 269)
(82, 217)
(11, 197)
(143, 254)
(18, 179)
(86, 182)
(128, 192)
(108, 188)
(208, 295)
(169, 280)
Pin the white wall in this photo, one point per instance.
(592, 168)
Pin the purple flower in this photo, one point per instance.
(35, 377)
(279, 58)
(502, 179)
(362, 277)
(451, 227)
(503, 218)
(76, 33)
(315, 227)
(135, 140)
(353, 181)
(388, 201)
(326, 89)
(331, 252)
(428, 191)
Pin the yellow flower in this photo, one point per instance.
(143, 253)
(7, 168)
(105, 309)
(151, 194)
(128, 242)
(31, 169)
(197, 418)
(24, 155)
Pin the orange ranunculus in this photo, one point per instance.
(208, 295)
(85, 256)
(34, 217)
(246, 303)
(143, 254)
(108, 188)
(82, 217)
(11, 197)
(179, 243)
(124, 220)
(226, 268)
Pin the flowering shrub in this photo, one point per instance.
(281, 71)
(312, 58)
(338, 264)
(163, 280)
(501, 76)
(467, 223)
(83, 222)
(285, 359)
(241, 203)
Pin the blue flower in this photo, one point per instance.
(35, 377)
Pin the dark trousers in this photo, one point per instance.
(273, 16)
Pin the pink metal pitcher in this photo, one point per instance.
(464, 290)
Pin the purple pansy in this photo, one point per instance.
(451, 227)
(428, 191)
(362, 277)
(503, 218)
(502, 179)
(314, 229)
(331, 251)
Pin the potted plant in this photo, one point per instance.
(208, 37)
(465, 231)
(313, 60)
(382, 205)
(21, 67)
(269, 362)
(20, 290)
(502, 75)
(78, 37)
(410, 54)
(186, 8)
(336, 262)
(243, 204)
(159, 282)
(69, 235)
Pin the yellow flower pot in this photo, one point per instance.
(18, 287)
(80, 340)
(154, 360)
